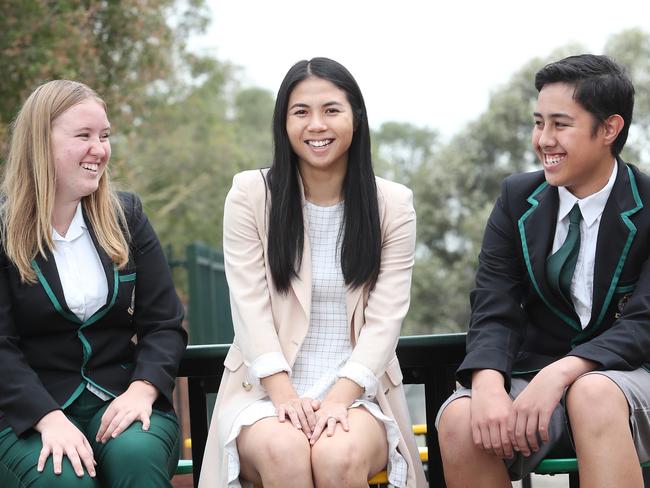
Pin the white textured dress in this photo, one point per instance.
(326, 347)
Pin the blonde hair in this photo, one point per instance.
(28, 187)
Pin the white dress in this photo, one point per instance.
(326, 347)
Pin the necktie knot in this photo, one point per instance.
(575, 216)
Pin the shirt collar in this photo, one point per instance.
(76, 229)
(592, 206)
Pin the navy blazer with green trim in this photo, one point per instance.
(518, 324)
(48, 355)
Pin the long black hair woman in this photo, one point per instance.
(318, 255)
(81, 274)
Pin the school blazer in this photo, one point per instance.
(518, 325)
(47, 355)
(267, 321)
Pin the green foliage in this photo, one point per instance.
(124, 49)
(400, 150)
(632, 49)
(183, 126)
(456, 183)
(183, 158)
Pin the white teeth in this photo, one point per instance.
(90, 166)
(322, 143)
(548, 159)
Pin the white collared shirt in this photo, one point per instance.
(82, 275)
(591, 207)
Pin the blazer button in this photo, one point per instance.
(246, 385)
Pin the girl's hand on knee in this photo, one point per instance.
(134, 404)
(61, 437)
(328, 415)
(300, 412)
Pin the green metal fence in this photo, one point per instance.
(209, 303)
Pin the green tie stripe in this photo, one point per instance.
(561, 265)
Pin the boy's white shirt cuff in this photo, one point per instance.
(267, 364)
(362, 376)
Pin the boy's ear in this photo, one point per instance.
(612, 127)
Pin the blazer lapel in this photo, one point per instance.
(352, 298)
(615, 237)
(537, 230)
(302, 284)
(48, 277)
(107, 264)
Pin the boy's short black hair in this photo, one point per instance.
(602, 87)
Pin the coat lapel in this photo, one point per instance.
(615, 237)
(107, 262)
(110, 271)
(352, 298)
(537, 230)
(48, 277)
(302, 284)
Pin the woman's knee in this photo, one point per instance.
(139, 455)
(269, 447)
(18, 462)
(67, 479)
(287, 453)
(339, 462)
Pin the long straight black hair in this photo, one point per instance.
(361, 245)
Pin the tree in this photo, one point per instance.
(126, 50)
(182, 125)
(183, 158)
(400, 150)
(457, 184)
(632, 48)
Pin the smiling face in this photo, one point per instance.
(573, 154)
(320, 126)
(81, 150)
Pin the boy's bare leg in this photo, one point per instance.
(465, 465)
(599, 415)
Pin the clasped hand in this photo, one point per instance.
(314, 417)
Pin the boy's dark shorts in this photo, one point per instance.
(635, 385)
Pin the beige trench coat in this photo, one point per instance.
(267, 321)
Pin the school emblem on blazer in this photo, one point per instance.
(621, 304)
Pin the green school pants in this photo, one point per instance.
(136, 458)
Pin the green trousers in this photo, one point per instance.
(135, 459)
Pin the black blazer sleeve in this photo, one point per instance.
(497, 321)
(23, 398)
(158, 313)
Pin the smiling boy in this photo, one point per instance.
(560, 327)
